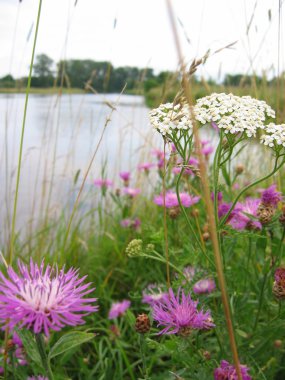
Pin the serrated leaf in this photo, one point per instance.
(68, 341)
(30, 345)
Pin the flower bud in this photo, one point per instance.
(142, 324)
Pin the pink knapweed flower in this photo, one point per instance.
(205, 285)
(153, 293)
(227, 371)
(271, 197)
(131, 191)
(241, 218)
(279, 275)
(145, 167)
(207, 150)
(118, 308)
(131, 223)
(125, 176)
(37, 378)
(104, 183)
(43, 299)
(171, 199)
(159, 154)
(223, 209)
(179, 314)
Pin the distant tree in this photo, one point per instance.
(43, 75)
(7, 81)
(241, 80)
(79, 72)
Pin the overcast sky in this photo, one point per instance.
(141, 35)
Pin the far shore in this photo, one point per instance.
(55, 90)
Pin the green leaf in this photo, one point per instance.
(68, 341)
(226, 176)
(241, 333)
(30, 345)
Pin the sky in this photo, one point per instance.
(138, 33)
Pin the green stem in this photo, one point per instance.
(143, 357)
(260, 300)
(275, 169)
(280, 246)
(188, 220)
(22, 138)
(42, 351)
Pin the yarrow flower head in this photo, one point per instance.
(118, 308)
(168, 118)
(233, 114)
(274, 136)
(44, 299)
(227, 371)
(271, 197)
(205, 285)
(180, 315)
(171, 199)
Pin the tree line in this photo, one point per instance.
(102, 76)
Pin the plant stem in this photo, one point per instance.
(10, 257)
(207, 195)
(42, 351)
(166, 249)
(142, 350)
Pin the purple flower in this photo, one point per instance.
(118, 308)
(17, 340)
(171, 199)
(207, 150)
(219, 196)
(223, 209)
(271, 197)
(131, 223)
(152, 294)
(125, 176)
(206, 285)
(160, 164)
(37, 378)
(240, 219)
(104, 183)
(145, 167)
(279, 275)
(131, 191)
(179, 314)
(159, 154)
(43, 299)
(227, 371)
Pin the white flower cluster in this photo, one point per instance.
(167, 118)
(233, 113)
(274, 134)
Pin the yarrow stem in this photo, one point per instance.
(42, 351)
